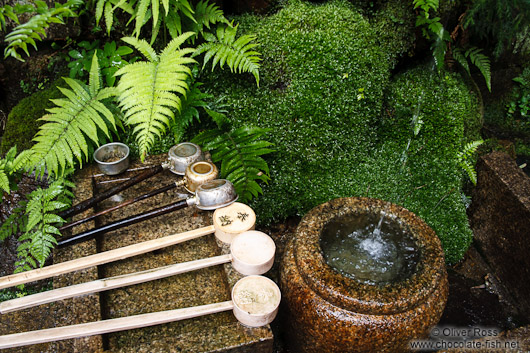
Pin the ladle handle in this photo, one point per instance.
(102, 257)
(89, 234)
(118, 206)
(112, 325)
(105, 284)
(84, 205)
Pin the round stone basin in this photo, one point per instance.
(335, 309)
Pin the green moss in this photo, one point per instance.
(22, 122)
(340, 124)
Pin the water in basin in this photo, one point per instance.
(357, 247)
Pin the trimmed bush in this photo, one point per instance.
(321, 92)
(340, 125)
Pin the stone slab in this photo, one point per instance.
(500, 220)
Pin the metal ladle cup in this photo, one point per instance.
(196, 174)
(179, 157)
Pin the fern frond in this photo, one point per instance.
(40, 228)
(34, 29)
(463, 159)
(239, 152)
(482, 62)
(148, 89)
(461, 59)
(4, 181)
(62, 139)
(207, 15)
(193, 99)
(237, 54)
(14, 223)
(10, 166)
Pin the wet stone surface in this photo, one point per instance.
(332, 313)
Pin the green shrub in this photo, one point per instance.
(432, 174)
(340, 125)
(321, 90)
(22, 122)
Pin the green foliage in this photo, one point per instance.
(500, 22)
(9, 12)
(190, 103)
(431, 183)
(317, 59)
(22, 122)
(432, 29)
(429, 26)
(464, 157)
(64, 138)
(478, 59)
(110, 59)
(34, 29)
(149, 89)
(239, 151)
(175, 16)
(40, 225)
(9, 166)
(237, 54)
(518, 107)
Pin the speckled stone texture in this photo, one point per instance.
(219, 332)
(328, 312)
(500, 219)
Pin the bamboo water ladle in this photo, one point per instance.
(196, 174)
(179, 157)
(222, 229)
(255, 301)
(251, 253)
(208, 196)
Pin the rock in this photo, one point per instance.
(500, 219)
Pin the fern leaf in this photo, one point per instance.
(34, 29)
(4, 182)
(62, 139)
(141, 11)
(148, 90)
(239, 152)
(93, 79)
(461, 59)
(237, 54)
(482, 62)
(463, 159)
(207, 15)
(143, 47)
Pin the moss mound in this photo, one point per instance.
(22, 122)
(341, 124)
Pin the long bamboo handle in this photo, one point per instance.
(85, 205)
(112, 325)
(91, 233)
(110, 283)
(102, 258)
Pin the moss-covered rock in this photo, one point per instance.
(340, 124)
(22, 122)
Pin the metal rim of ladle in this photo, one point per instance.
(182, 155)
(214, 194)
